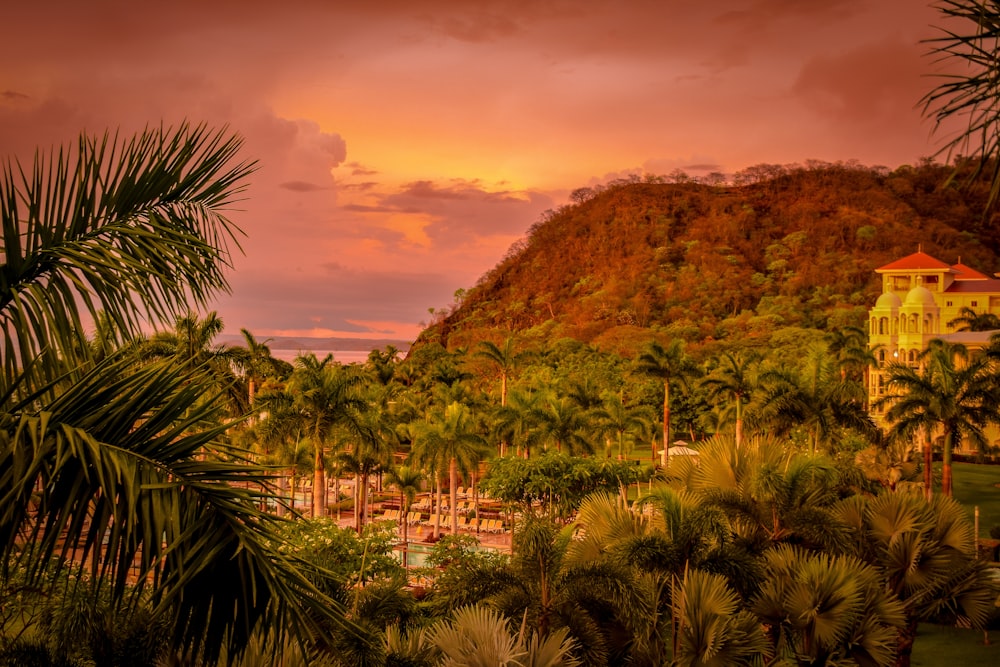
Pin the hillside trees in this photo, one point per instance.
(684, 258)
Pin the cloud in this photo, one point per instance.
(871, 83)
(301, 186)
(359, 170)
(14, 96)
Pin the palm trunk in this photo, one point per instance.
(475, 500)
(319, 479)
(503, 403)
(928, 466)
(946, 465)
(357, 503)
(282, 494)
(543, 616)
(364, 500)
(436, 535)
(739, 422)
(406, 533)
(336, 493)
(904, 644)
(453, 494)
(666, 425)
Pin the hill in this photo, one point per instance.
(777, 247)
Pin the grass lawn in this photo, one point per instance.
(976, 485)
(938, 645)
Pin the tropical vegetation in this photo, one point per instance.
(165, 499)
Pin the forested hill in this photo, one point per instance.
(782, 247)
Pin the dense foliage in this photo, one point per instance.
(779, 246)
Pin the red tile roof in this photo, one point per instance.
(968, 273)
(989, 286)
(918, 261)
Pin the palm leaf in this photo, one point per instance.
(131, 228)
(137, 487)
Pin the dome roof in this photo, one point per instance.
(920, 296)
(888, 300)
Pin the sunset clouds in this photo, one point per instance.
(403, 146)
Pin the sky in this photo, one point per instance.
(403, 146)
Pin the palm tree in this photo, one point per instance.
(368, 451)
(505, 361)
(925, 553)
(563, 423)
(733, 378)
(191, 344)
(519, 422)
(668, 364)
(821, 609)
(478, 635)
(663, 535)
(952, 391)
(594, 600)
(327, 403)
(969, 320)
(712, 628)
(107, 465)
(408, 482)
(619, 419)
(849, 348)
(453, 437)
(772, 495)
(812, 397)
(256, 363)
(383, 363)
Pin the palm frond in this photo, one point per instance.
(131, 228)
(140, 490)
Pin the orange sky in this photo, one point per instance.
(404, 145)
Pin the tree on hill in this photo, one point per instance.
(640, 261)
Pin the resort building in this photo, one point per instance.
(920, 296)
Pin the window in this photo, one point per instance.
(947, 303)
(974, 304)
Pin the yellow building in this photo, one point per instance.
(920, 296)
